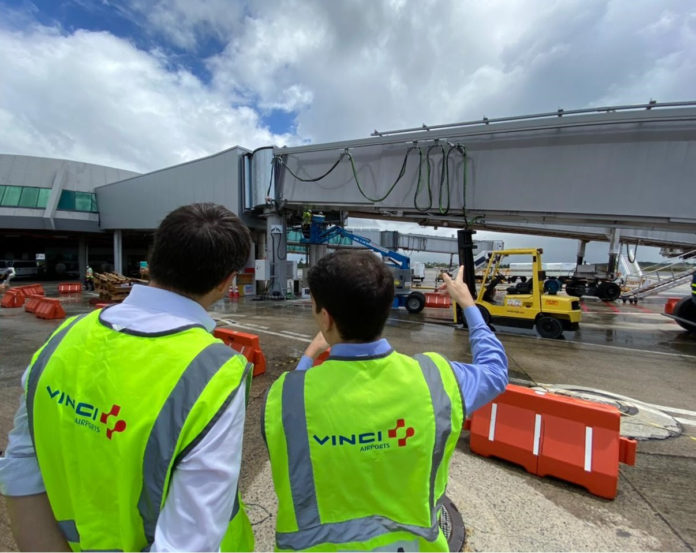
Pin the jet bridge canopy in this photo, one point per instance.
(629, 167)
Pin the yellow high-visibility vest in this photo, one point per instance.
(112, 413)
(360, 452)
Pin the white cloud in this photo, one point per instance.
(184, 23)
(94, 97)
(343, 68)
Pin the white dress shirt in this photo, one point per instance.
(202, 488)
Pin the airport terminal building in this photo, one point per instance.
(60, 215)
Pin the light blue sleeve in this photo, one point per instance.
(487, 376)
(19, 469)
(304, 363)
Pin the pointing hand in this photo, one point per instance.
(457, 289)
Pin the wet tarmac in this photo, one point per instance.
(627, 355)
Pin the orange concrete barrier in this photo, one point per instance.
(69, 287)
(553, 435)
(246, 344)
(321, 357)
(670, 304)
(32, 302)
(14, 297)
(434, 299)
(49, 308)
(30, 289)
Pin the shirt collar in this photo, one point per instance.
(171, 303)
(369, 349)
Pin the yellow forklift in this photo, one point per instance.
(525, 304)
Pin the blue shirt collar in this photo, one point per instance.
(369, 349)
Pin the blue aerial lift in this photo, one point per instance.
(414, 302)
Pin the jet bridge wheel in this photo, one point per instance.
(574, 289)
(415, 302)
(549, 327)
(608, 291)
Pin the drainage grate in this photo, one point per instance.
(452, 525)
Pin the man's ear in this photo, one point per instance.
(226, 282)
(326, 321)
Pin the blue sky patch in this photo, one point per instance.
(279, 121)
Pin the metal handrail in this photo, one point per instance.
(669, 266)
(558, 113)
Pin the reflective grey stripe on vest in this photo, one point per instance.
(37, 370)
(311, 531)
(69, 530)
(161, 444)
(442, 407)
(304, 495)
(357, 529)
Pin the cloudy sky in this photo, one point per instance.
(143, 84)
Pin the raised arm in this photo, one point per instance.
(486, 377)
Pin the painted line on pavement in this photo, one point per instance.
(272, 333)
(628, 325)
(644, 315)
(295, 334)
(254, 325)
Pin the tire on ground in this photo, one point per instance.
(549, 327)
(415, 302)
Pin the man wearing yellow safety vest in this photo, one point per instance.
(360, 445)
(130, 434)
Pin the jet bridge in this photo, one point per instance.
(620, 167)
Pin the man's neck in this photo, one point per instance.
(203, 300)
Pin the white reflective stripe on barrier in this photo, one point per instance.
(588, 449)
(537, 433)
(491, 425)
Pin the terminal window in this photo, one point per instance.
(77, 201)
(24, 196)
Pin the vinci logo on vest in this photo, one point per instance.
(369, 440)
(86, 412)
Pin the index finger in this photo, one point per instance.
(460, 274)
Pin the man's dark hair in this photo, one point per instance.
(357, 289)
(197, 246)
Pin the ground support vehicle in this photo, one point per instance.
(524, 304)
(413, 301)
(589, 280)
(418, 273)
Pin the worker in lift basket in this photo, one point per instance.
(306, 222)
(131, 433)
(360, 445)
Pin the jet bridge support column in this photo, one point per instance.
(581, 252)
(614, 250)
(316, 252)
(276, 256)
